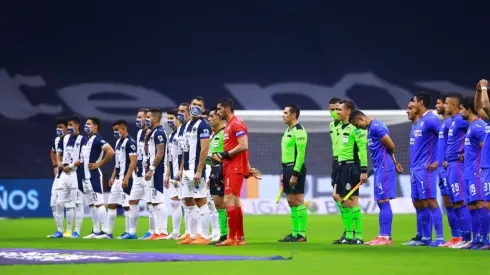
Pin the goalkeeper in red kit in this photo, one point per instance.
(235, 169)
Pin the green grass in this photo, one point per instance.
(318, 256)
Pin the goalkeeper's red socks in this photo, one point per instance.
(239, 233)
(232, 213)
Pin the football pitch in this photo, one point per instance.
(316, 256)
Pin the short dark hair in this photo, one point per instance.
(173, 112)
(227, 102)
(61, 120)
(412, 99)
(205, 113)
(425, 98)
(187, 105)
(120, 122)
(213, 109)
(355, 114)
(294, 109)
(442, 97)
(95, 121)
(156, 111)
(334, 100)
(200, 98)
(468, 102)
(73, 118)
(144, 110)
(349, 104)
(458, 96)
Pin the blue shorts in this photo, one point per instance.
(474, 190)
(384, 184)
(455, 182)
(485, 180)
(424, 184)
(443, 182)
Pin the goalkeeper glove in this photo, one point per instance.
(219, 157)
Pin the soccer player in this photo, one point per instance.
(453, 219)
(352, 170)
(480, 221)
(424, 170)
(69, 160)
(96, 152)
(235, 169)
(385, 166)
(156, 141)
(293, 176)
(455, 167)
(216, 180)
(122, 176)
(57, 209)
(183, 116)
(171, 183)
(196, 146)
(482, 106)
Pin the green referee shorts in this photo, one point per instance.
(287, 172)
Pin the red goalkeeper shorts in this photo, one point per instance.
(233, 184)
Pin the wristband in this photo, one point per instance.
(364, 169)
(71, 166)
(484, 88)
(296, 173)
(152, 168)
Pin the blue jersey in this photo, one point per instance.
(474, 137)
(379, 155)
(412, 143)
(485, 152)
(442, 141)
(425, 134)
(455, 138)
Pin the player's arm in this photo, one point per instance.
(361, 140)
(242, 146)
(204, 139)
(160, 144)
(301, 141)
(132, 166)
(59, 153)
(108, 154)
(482, 104)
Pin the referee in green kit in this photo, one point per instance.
(293, 177)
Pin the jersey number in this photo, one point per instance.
(455, 187)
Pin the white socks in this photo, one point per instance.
(214, 219)
(70, 215)
(160, 216)
(176, 216)
(126, 221)
(204, 215)
(111, 218)
(95, 219)
(102, 213)
(60, 217)
(186, 218)
(133, 218)
(151, 218)
(193, 221)
(79, 216)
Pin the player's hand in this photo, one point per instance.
(77, 163)
(364, 178)
(482, 83)
(293, 181)
(148, 175)
(461, 157)
(176, 183)
(219, 157)
(145, 166)
(179, 175)
(111, 182)
(433, 166)
(207, 183)
(66, 169)
(282, 180)
(55, 170)
(148, 131)
(197, 178)
(255, 173)
(398, 167)
(125, 183)
(93, 166)
(444, 164)
(166, 182)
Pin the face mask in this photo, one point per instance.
(171, 123)
(117, 135)
(59, 132)
(196, 111)
(71, 130)
(334, 114)
(139, 124)
(87, 129)
(148, 123)
(180, 117)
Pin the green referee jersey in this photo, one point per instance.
(293, 146)
(217, 144)
(353, 144)
(335, 136)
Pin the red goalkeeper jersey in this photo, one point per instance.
(235, 129)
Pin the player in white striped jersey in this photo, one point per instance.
(156, 142)
(215, 233)
(96, 152)
(183, 117)
(172, 184)
(143, 125)
(69, 186)
(122, 176)
(195, 150)
(57, 209)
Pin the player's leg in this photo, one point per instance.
(452, 218)
(384, 191)
(431, 182)
(151, 220)
(233, 184)
(287, 172)
(335, 195)
(127, 211)
(99, 202)
(213, 217)
(159, 207)
(216, 189)
(297, 199)
(352, 176)
(66, 198)
(88, 193)
(475, 200)
(115, 198)
(420, 181)
(458, 197)
(485, 215)
(342, 183)
(138, 192)
(201, 198)
(188, 189)
(57, 215)
(79, 209)
(173, 194)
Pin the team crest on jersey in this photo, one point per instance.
(194, 129)
(421, 124)
(77, 144)
(347, 186)
(452, 124)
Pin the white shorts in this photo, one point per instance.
(93, 198)
(138, 191)
(117, 195)
(189, 189)
(172, 190)
(54, 192)
(68, 189)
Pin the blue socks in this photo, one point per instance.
(385, 218)
(454, 222)
(437, 222)
(465, 217)
(484, 224)
(426, 224)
